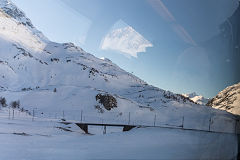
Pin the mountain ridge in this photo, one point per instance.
(227, 99)
(54, 77)
(9, 8)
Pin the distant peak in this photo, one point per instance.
(196, 98)
(13, 11)
(191, 95)
(10, 9)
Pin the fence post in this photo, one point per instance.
(210, 121)
(33, 114)
(9, 113)
(81, 114)
(63, 114)
(13, 114)
(104, 130)
(155, 116)
(129, 118)
(183, 122)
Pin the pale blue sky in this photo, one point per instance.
(177, 61)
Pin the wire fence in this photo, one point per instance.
(210, 123)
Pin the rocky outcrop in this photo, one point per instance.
(107, 100)
(228, 99)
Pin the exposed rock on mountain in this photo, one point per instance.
(228, 99)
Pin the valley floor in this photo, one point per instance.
(44, 139)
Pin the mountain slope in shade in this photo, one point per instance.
(197, 98)
(51, 78)
(228, 99)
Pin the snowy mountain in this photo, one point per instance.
(12, 11)
(228, 99)
(52, 77)
(196, 98)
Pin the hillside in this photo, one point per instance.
(44, 139)
(62, 79)
(59, 85)
(228, 99)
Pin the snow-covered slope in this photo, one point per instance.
(197, 98)
(228, 99)
(18, 15)
(47, 139)
(52, 77)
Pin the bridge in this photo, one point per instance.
(126, 127)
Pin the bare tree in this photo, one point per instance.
(3, 102)
(15, 104)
